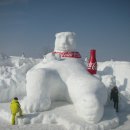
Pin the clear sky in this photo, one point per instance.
(29, 26)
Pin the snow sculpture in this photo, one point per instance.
(65, 77)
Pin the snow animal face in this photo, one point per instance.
(65, 41)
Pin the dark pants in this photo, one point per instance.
(116, 105)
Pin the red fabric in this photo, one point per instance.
(68, 54)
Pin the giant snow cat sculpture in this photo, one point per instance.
(62, 76)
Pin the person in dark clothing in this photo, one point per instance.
(114, 97)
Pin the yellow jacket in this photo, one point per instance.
(15, 106)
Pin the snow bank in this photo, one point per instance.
(13, 76)
(116, 73)
(120, 70)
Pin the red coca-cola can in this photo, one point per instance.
(92, 62)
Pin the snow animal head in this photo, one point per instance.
(65, 41)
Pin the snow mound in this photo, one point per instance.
(120, 70)
(13, 76)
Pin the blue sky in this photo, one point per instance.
(29, 26)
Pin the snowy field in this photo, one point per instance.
(62, 115)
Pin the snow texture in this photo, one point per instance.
(63, 114)
(106, 73)
(13, 76)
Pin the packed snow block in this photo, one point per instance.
(65, 79)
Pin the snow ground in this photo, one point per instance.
(124, 119)
(62, 116)
(62, 108)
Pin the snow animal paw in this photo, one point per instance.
(35, 105)
(90, 109)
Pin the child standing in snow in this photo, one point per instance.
(114, 96)
(15, 108)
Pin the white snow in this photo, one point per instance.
(13, 76)
(58, 93)
(65, 41)
(63, 114)
(64, 119)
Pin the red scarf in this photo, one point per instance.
(68, 54)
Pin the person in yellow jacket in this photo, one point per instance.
(15, 108)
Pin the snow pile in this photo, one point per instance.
(13, 76)
(116, 73)
(121, 71)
